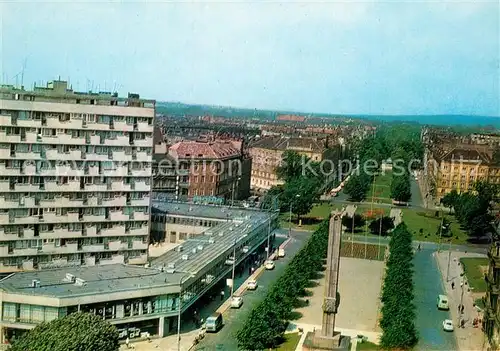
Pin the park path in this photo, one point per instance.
(397, 215)
(468, 338)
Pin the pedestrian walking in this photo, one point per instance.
(452, 285)
(462, 309)
(462, 323)
(252, 270)
(222, 295)
(127, 342)
(459, 308)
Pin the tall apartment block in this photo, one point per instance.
(75, 177)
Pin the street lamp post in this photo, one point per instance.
(179, 312)
(449, 260)
(290, 218)
(461, 303)
(234, 266)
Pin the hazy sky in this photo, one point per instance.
(346, 57)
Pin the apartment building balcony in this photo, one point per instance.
(8, 237)
(26, 155)
(49, 139)
(5, 120)
(140, 202)
(120, 156)
(92, 248)
(141, 186)
(115, 202)
(54, 122)
(94, 201)
(6, 171)
(53, 154)
(4, 250)
(144, 127)
(30, 137)
(139, 245)
(115, 259)
(93, 218)
(28, 169)
(142, 259)
(24, 252)
(27, 220)
(96, 126)
(72, 186)
(69, 140)
(26, 187)
(5, 186)
(96, 157)
(140, 216)
(119, 141)
(8, 203)
(66, 202)
(143, 156)
(92, 171)
(116, 230)
(96, 187)
(5, 153)
(10, 138)
(90, 231)
(118, 172)
(123, 126)
(59, 233)
(28, 265)
(147, 142)
(138, 231)
(117, 245)
(144, 172)
(118, 216)
(120, 186)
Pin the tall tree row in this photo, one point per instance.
(266, 324)
(398, 310)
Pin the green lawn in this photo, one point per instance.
(291, 342)
(474, 269)
(367, 346)
(381, 191)
(423, 224)
(310, 221)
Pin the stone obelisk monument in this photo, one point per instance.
(327, 338)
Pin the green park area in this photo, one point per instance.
(290, 343)
(474, 269)
(367, 346)
(423, 224)
(380, 191)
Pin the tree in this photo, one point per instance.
(75, 332)
(356, 188)
(359, 221)
(387, 224)
(450, 200)
(291, 165)
(400, 188)
(301, 194)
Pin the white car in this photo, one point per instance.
(236, 302)
(252, 285)
(448, 325)
(269, 265)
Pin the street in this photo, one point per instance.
(234, 319)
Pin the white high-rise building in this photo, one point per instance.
(75, 177)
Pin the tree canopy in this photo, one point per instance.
(75, 332)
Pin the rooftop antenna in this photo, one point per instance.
(22, 72)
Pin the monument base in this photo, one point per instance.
(314, 341)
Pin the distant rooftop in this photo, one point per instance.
(289, 143)
(100, 279)
(58, 89)
(204, 150)
(205, 211)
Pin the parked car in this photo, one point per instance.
(236, 302)
(448, 325)
(252, 284)
(281, 252)
(214, 323)
(269, 265)
(442, 303)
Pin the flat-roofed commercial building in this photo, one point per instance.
(75, 177)
(137, 298)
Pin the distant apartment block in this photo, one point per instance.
(458, 166)
(203, 169)
(75, 177)
(291, 118)
(267, 152)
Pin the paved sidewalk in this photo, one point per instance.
(468, 338)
